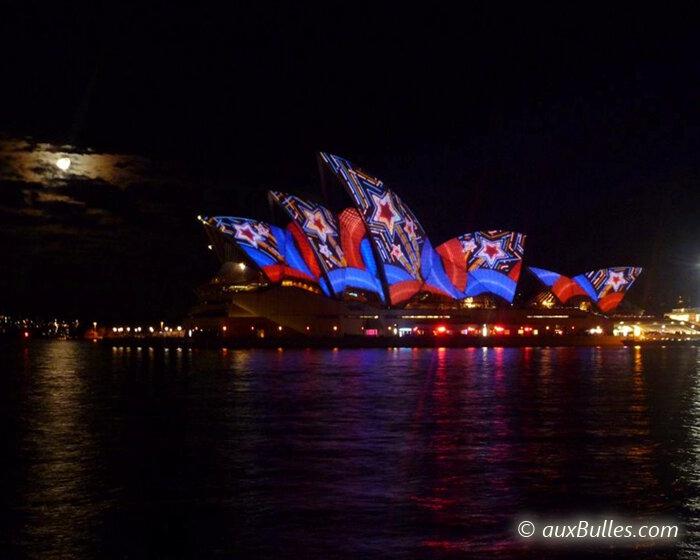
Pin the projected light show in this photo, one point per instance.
(269, 247)
(337, 251)
(605, 287)
(349, 282)
(323, 232)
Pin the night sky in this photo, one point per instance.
(580, 128)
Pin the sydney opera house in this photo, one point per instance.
(368, 268)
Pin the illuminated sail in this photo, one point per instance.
(269, 247)
(322, 232)
(606, 287)
(454, 262)
(494, 260)
(397, 235)
(563, 287)
(437, 280)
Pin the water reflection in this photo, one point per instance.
(63, 499)
(148, 452)
(689, 461)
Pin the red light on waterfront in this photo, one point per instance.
(442, 329)
(26, 334)
(499, 329)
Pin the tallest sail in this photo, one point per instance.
(396, 234)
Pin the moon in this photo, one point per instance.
(63, 163)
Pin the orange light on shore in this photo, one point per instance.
(442, 329)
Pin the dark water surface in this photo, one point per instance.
(140, 453)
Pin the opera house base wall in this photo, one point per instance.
(286, 312)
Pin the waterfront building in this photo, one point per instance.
(369, 268)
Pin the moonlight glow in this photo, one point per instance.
(63, 163)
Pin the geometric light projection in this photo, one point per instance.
(436, 278)
(454, 262)
(322, 231)
(609, 284)
(494, 259)
(269, 247)
(378, 246)
(397, 235)
(563, 287)
(606, 287)
(358, 248)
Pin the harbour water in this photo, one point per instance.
(115, 452)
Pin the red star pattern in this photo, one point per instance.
(491, 251)
(617, 280)
(316, 221)
(396, 252)
(385, 212)
(246, 233)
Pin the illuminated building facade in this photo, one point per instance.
(369, 267)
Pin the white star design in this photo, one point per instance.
(468, 247)
(491, 252)
(246, 233)
(396, 252)
(325, 251)
(385, 212)
(262, 229)
(617, 280)
(316, 221)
